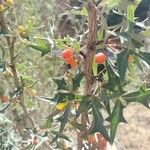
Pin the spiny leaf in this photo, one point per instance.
(41, 45)
(63, 120)
(113, 83)
(136, 43)
(115, 118)
(61, 136)
(141, 96)
(105, 98)
(84, 106)
(77, 80)
(145, 56)
(62, 96)
(61, 83)
(122, 63)
(98, 118)
(77, 125)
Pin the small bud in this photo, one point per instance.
(9, 3)
(1, 8)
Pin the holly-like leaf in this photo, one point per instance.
(105, 98)
(77, 80)
(61, 83)
(41, 45)
(99, 121)
(63, 120)
(136, 44)
(84, 106)
(122, 63)
(61, 136)
(63, 96)
(141, 96)
(113, 83)
(115, 118)
(145, 56)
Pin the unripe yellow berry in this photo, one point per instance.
(61, 106)
(22, 31)
(1, 8)
(9, 3)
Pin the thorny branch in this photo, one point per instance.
(10, 43)
(90, 46)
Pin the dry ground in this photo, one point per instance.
(136, 134)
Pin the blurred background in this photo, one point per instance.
(50, 18)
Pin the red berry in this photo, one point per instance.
(68, 53)
(100, 58)
(36, 140)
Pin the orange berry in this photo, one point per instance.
(100, 58)
(131, 59)
(102, 143)
(69, 60)
(74, 64)
(68, 53)
(91, 139)
(4, 99)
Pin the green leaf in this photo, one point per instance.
(84, 106)
(48, 123)
(2, 62)
(105, 98)
(136, 44)
(94, 67)
(61, 136)
(127, 37)
(99, 121)
(2, 67)
(63, 120)
(83, 12)
(77, 80)
(113, 83)
(141, 96)
(77, 125)
(100, 34)
(130, 12)
(145, 56)
(62, 85)
(2, 54)
(41, 45)
(63, 96)
(115, 118)
(122, 63)
(112, 3)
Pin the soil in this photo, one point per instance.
(135, 135)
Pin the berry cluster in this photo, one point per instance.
(69, 58)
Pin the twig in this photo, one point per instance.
(10, 43)
(90, 46)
